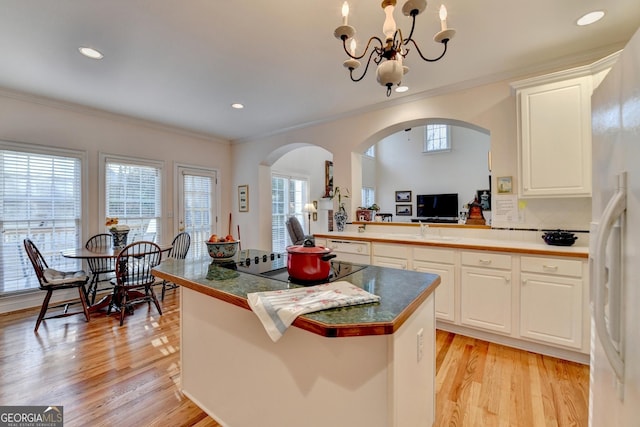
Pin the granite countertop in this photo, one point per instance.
(401, 293)
(460, 242)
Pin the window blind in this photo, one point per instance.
(198, 191)
(133, 195)
(40, 198)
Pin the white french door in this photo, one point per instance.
(197, 206)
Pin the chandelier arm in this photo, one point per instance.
(365, 68)
(444, 42)
(413, 26)
(364, 52)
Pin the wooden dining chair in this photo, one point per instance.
(134, 281)
(102, 269)
(51, 280)
(179, 249)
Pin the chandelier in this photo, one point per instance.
(390, 53)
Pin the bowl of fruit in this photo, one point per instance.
(222, 248)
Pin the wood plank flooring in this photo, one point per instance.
(106, 375)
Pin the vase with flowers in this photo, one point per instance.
(119, 232)
(340, 216)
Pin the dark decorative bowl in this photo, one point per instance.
(559, 238)
(222, 251)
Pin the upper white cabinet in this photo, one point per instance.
(554, 131)
(554, 128)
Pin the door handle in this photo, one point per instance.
(614, 210)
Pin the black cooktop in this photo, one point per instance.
(274, 266)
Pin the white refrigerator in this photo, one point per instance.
(614, 393)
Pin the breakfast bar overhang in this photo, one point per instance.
(368, 365)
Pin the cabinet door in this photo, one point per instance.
(551, 309)
(555, 139)
(445, 292)
(485, 300)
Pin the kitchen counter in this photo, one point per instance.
(371, 365)
(401, 292)
(462, 242)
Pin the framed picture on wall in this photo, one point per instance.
(404, 210)
(484, 198)
(504, 185)
(243, 198)
(403, 196)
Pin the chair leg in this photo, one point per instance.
(156, 302)
(83, 300)
(164, 288)
(94, 288)
(43, 309)
(123, 306)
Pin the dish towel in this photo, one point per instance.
(278, 309)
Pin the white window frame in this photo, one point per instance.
(302, 217)
(51, 252)
(428, 148)
(365, 196)
(134, 161)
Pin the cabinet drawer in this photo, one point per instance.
(392, 251)
(348, 246)
(555, 266)
(443, 256)
(486, 259)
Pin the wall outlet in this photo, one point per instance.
(420, 343)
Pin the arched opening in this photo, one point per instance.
(401, 162)
(297, 178)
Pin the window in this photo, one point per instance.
(368, 196)
(437, 138)
(132, 190)
(288, 197)
(40, 198)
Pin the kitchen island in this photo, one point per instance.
(366, 365)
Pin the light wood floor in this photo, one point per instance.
(106, 375)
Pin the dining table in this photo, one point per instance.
(103, 252)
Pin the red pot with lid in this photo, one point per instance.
(308, 262)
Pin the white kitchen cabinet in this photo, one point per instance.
(554, 131)
(551, 301)
(355, 251)
(390, 255)
(486, 291)
(440, 262)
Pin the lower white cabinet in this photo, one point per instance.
(539, 302)
(486, 290)
(442, 263)
(551, 301)
(390, 255)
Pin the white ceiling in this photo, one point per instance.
(183, 63)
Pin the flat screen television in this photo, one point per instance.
(437, 205)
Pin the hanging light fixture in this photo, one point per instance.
(390, 53)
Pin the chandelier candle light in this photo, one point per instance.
(390, 53)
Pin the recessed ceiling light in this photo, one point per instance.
(590, 18)
(90, 53)
(237, 106)
(401, 89)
